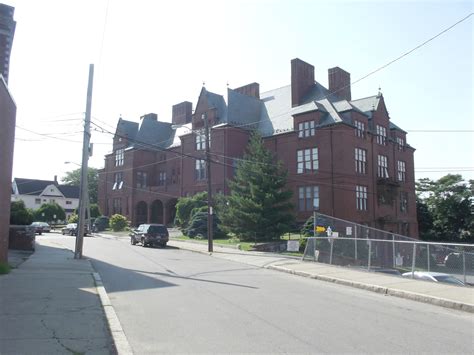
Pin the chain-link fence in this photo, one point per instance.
(344, 243)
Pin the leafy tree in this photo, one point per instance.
(19, 214)
(74, 218)
(118, 222)
(48, 211)
(449, 203)
(186, 205)
(258, 207)
(95, 210)
(73, 178)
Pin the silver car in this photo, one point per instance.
(434, 277)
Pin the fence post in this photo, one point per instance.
(355, 240)
(331, 240)
(464, 264)
(393, 251)
(428, 248)
(370, 255)
(413, 261)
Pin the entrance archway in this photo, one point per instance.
(141, 215)
(156, 212)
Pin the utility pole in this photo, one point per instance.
(209, 185)
(83, 189)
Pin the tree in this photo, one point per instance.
(95, 210)
(73, 178)
(258, 207)
(185, 207)
(448, 202)
(50, 212)
(118, 222)
(19, 214)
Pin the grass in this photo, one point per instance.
(4, 268)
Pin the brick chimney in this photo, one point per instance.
(250, 90)
(150, 116)
(302, 79)
(340, 83)
(182, 113)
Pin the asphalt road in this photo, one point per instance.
(175, 301)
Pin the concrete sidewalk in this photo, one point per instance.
(49, 304)
(460, 298)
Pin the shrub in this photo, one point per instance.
(198, 226)
(19, 214)
(118, 222)
(4, 268)
(74, 218)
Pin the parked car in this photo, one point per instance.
(41, 227)
(70, 229)
(150, 234)
(434, 277)
(100, 224)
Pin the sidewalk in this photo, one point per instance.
(460, 298)
(49, 304)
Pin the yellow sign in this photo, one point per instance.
(320, 229)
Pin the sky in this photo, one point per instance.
(150, 55)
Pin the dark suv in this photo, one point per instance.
(150, 234)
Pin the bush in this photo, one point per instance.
(198, 226)
(118, 222)
(74, 218)
(186, 205)
(4, 268)
(19, 214)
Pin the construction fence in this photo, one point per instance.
(344, 243)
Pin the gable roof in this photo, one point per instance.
(35, 187)
(126, 129)
(153, 133)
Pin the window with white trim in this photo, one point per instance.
(308, 198)
(382, 171)
(403, 201)
(360, 129)
(162, 178)
(118, 181)
(141, 179)
(307, 160)
(401, 171)
(306, 129)
(400, 143)
(119, 157)
(200, 170)
(361, 198)
(381, 135)
(360, 160)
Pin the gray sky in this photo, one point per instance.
(149, 55)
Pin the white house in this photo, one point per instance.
(34, 193)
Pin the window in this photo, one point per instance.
(307, 160)
(68, 202)
(360, 129)
(308, 198)
(161, 178)
(381, 135)
(382, 171)
(400, 143)
(117, 206)
(401, 170)
(360, 160)
(141, 179)
(306, 129)
(361, 198)
(403, 201)
(200, 141)
(119, 155)
(118, 181)
(200, 172)
(37, 201)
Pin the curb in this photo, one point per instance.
(121, 343)
(437, 301)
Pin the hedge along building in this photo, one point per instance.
(344, 157)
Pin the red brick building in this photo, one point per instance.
(344, 157)
(7, 140)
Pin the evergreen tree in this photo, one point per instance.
(258, 207)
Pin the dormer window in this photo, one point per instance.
(360, 129)
(119, 157)
(381, 135)
(306, 129)
(400, 143)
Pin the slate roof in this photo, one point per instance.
(153, 133)
(36, 187)
(127, 129)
